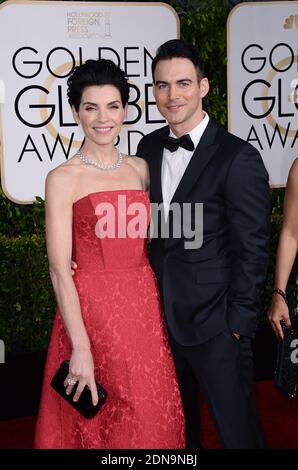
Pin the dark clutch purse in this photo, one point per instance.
(84, 405)
(286, 372)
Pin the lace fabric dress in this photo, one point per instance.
(121, 310)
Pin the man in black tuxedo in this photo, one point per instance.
(210, 293)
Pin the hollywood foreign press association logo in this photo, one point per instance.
(88, 24)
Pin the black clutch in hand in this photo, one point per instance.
(84, 404)
(286, 372)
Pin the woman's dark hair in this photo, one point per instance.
(177, 48)
(96, 72)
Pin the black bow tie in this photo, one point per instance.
(172, 144)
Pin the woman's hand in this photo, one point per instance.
(81, 369)
(278, 311)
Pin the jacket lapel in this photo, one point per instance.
(155, 167)
(201, 156)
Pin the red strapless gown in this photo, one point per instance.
(121, 310)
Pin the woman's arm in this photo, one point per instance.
(59, 247)
(286, 252)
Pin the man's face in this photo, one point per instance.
(178, 93)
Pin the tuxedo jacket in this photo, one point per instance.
(207, 289)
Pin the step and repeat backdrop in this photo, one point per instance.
(263, 81)
(41, 42)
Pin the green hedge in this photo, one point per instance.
(204, 24)
(26, 296)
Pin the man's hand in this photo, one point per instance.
(237, 336)
(74, 266)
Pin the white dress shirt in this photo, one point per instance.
(175, 163)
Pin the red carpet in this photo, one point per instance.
(17, 433)
(278, 414)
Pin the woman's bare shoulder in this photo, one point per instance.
(292, 182)
(137, 162)
(67, 168)
(294, 169)
(63, 178)
(291, 196)
(141, 166)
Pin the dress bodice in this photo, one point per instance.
(110, 230)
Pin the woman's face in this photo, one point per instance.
(101, 113)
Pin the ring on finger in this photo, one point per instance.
(72, 381)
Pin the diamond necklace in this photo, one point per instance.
(100, 166)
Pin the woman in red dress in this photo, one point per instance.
(109, 322)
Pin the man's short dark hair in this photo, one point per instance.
(96, 72)
(176, 48)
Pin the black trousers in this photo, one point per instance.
(223, 368)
